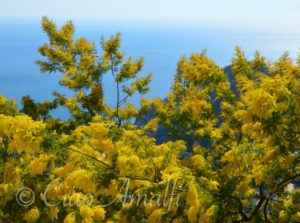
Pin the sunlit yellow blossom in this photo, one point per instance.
(81, 179)
(3, 100)
(283, 217)
(32, 215)
(38, 165)
(156, 216)
(260, 103)
(198, 161)
(288, 203)
(53, 213)
(213, 185)
(99, 213)
(70, 218)
(86, 212)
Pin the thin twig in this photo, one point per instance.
(241, 210)
(266, 210)
(111, 168)
(155, 167)
(260, 203)
(94, 158)
(285, 182)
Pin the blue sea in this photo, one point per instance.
(162, 46)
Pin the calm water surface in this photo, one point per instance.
(162, 46)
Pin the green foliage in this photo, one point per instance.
(8, 107)
(244, 175)
(83, 67)
(191, 107)
(38, 111)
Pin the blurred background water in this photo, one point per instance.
(161, 45)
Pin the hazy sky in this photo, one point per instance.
(235, 12)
